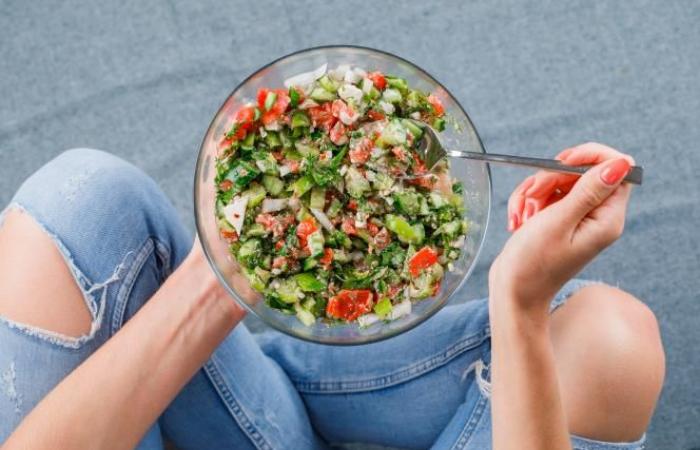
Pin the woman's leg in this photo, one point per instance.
(430, 386)
(86, 241)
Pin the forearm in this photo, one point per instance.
(123, 387)
(526, 403)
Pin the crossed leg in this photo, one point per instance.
(409, 391)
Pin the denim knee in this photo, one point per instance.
(94, 202)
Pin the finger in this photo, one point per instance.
(592, 189)
(546, 182)
(516, 203)
(607, 220)
(591, 153)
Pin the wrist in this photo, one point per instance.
(516, 296)
(196, 278)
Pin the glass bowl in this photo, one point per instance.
(474, 175)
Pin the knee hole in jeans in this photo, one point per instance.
(38, 290)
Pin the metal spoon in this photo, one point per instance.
(431, 151)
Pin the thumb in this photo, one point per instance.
(592, 189)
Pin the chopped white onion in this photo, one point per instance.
(235, 212)
(308, 103)
(285, 170)
(459, 242)
(387, 107)
(348, 91)
(361, 219)
(367, 319)
(352, 77)
(343, 169)
(338, 73)
(377, 152)
(274, 204)
(360, 71)
(306, 78)
(262, 131)
(294, 203)
(348, 119)
(415, 115)
(322, 219)
(400, 310)
(274, 126)
(367, 85)
(356, 256)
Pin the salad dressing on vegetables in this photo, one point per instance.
(326, 205)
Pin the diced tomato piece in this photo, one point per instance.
(262, 96)
(229, 235)
(322, 116)
(226, 185)
(382, 239)
(279, 262)
(279, 244)
(393, 290)
(225, 142)
(279, 156)
(277, 109)
(348, 226)
(375, 115)
(244, 115)
(337, 106)
(243, 122)
(304, 229)
(352, 204)
(344, 112)
(350, 304)
(423, 259)
(377, 79)
(327, 258)
(399, 152)
(337, 134)
(293, 165)
(426, 181)
(267, 220)
(419, 167)
(360, 153)
(372, 228)
(436, 104)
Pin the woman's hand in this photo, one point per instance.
(560, 222)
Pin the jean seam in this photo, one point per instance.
(128, 283)
(239, 415)
(474, 417)
(415, 370)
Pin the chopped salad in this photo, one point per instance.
(325, 203)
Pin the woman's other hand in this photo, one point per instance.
(561, 222)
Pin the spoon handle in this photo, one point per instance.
(634, 176)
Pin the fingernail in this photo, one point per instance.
(615, 171)
(511, 223)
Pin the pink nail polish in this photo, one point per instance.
(615, 171)
(511, 223)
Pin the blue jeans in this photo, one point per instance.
(121, 238)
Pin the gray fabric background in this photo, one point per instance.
(143, 79)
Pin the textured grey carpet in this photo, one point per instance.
(143, 79)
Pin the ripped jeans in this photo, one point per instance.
(121, 238)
